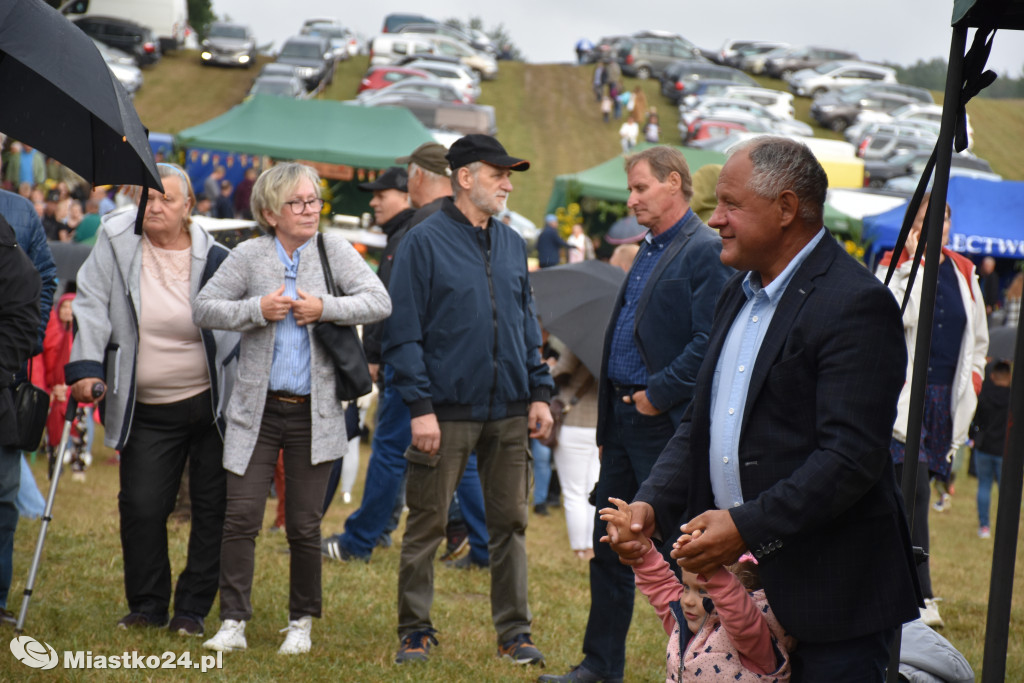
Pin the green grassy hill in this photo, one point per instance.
(545, 112)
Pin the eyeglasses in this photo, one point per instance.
(298, 206)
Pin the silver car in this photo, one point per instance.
(229, 45)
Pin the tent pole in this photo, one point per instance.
(929, 284)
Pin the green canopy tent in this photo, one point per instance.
(315, 130)
(965, 78)
(608, 180)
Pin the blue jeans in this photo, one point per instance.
(469, 498)
(541, 471)
(10, 479)
(990, 468)
(632, 444)
(383, 474)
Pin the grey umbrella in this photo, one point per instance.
(60, 97)
(574, 303)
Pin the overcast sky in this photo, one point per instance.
(900, 31)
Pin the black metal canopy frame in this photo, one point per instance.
(965, 78)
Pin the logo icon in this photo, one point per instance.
(34, 653)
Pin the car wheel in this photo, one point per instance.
(643, 73)
(838, 124)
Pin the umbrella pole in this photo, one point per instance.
(933, 249)
(58, 467)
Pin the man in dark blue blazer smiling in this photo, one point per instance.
(784, 450)
(654, 345)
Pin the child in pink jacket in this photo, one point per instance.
(718, 631)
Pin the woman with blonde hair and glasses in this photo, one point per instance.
(273, 290)
(166, 383)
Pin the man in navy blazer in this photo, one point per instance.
(784, 450)
(654, 345)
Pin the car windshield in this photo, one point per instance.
(326, 31)
(277, 86)
(302, 51)
(825, 68)
(221, 31)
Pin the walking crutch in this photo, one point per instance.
(58, 467)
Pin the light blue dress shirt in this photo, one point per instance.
(289, 371)
(732, 376)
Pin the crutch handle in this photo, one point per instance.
(98, 388)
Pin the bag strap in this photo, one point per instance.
(579, 394)
(326, 265)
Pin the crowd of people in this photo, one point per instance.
(738, 443)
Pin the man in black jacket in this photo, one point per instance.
(464, 343)
(391, 211)
(19, 321)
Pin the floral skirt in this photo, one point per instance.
(936, 432)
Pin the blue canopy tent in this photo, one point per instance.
(988, 220)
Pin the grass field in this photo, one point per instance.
(79, 597)
(545, 113)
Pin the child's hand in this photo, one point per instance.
(682, 541)
(619, 519)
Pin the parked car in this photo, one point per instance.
(342, 41)
(911, 91)
(428, 88)
(680, 77)
(836, 75)
(474, 41)
(379, 77)
(457, 75)
(777, 102)
(734, 51)
(877, 173)
(912, 113)
(312, 57)
(392, 48)
(279, 69)
(394, 22)
(605, 47)
(907, 184)
(838, 112)
(280, 86)
(886, 145)
(720, 123)
(755, 63)
(647, 57)
(124, 35)
(915, 129)
(122, 65)
(437, 115)
(706, 87)
(712, 106)
(481, 62)
(789, 61)
(229, 44)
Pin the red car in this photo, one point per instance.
(382, 76)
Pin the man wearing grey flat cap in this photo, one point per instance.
(464, 343)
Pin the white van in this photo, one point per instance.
(168, 19)
(391, 48)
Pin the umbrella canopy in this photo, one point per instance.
(575, 302)
(60, 97)
(1001, 341)
(625, 231)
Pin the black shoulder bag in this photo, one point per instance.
(342, 344)
(31, 406)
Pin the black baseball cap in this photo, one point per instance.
(393, 178)
(483, 148)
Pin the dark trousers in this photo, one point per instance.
(10, 480)
(919, 532)
(859, 660)
(162, 438)
(632, 445)
(285, 426)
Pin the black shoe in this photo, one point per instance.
(384, 540)
(7, 617)
(185, 624)
(467, 562)
(141, 620)
(416, 646)
(541, 509)
(332, 548)
(578, 674)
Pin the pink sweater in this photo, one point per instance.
(741, 640)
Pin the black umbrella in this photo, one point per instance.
(1001, 342)
(60, 97)
(625, 231)
(574, 303)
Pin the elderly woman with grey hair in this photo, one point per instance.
(272, 289)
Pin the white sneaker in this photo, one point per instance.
(930, 613)
(229, 638)
(297, 642)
